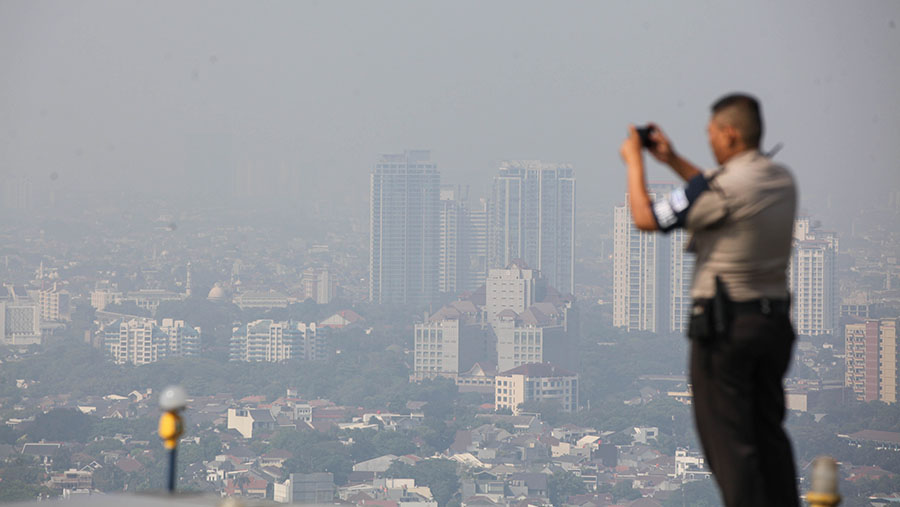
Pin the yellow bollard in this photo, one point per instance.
(824, 489)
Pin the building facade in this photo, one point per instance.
(533, 219)
(652, 274)
(870, 347)
(184, 340)
(513, 288)
(20, 323)
(537, 335)
(318, 285)
(404, 227)
(136, 341)
(451, 341)
(815, 306)
(537, 382)
(54, 304)
(270, 341)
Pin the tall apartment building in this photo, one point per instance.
(463, 241)
(536, 382)
(870, 351)
(652, 274)
(477, 244)
(533, 219)
(270, 341)
(815, 308)
(404, 223)
(318, 285)
(452, 260)
(451, 341)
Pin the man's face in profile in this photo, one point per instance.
(721, 138)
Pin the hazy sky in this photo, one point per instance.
(164, 95)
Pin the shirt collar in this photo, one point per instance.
(742, 158)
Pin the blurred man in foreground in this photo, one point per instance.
(741, 218)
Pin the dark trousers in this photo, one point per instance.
(739, 410)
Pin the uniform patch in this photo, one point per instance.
(679, 200)
(664, 214)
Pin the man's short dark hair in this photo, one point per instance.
(742, 112)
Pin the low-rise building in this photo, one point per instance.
(536, 382)
(250, 422)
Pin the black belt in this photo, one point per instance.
(762, 306)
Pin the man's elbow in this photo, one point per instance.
(645, 223)
(646, 226)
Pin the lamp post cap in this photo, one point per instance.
(173, 398)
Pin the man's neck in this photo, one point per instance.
(738, 153)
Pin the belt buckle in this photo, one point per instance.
(765, 306)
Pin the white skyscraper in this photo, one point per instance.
(652, 274)
(404, 229)
(452, 253)
(815, 306)
(533, 219)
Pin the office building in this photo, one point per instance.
(451, 341)
(103, 297)
(870, 352)
(315, 488)
(452, 259)
(477, 242)
(540, 334)
(815, 306)
(20, 323)
(539, 382)
(259, 299)
(270, 341)
(513, 288)
(652, 274)
(54, 304)
(318, 285)
(463, 241)
(404, 229)
(533, 219)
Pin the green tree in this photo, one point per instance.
(563, 484)
(624, 490)
(61, 424)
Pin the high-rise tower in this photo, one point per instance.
(404, 223)
(533, 219)
(652, 274)
(815, 306)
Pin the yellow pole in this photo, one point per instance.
(170, 430)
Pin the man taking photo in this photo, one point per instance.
(741, 218)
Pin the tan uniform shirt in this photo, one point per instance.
(742, 228)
